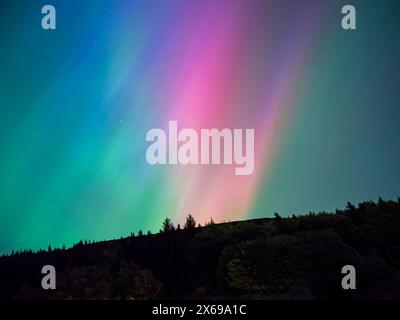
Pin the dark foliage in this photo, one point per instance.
(280, 258)
(190, 222)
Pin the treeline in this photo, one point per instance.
(300, 257)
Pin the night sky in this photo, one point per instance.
(76, 103)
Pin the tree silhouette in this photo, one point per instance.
(277, 217)
(167, 225)
(190, 222)
(350, 206)
(211, 222)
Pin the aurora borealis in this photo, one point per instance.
(76, 103)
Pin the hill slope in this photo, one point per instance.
(281, 258)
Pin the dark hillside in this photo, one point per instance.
(280, 258)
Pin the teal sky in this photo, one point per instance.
(343, 144)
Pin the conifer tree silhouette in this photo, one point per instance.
(167, 225)
(190, 222)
